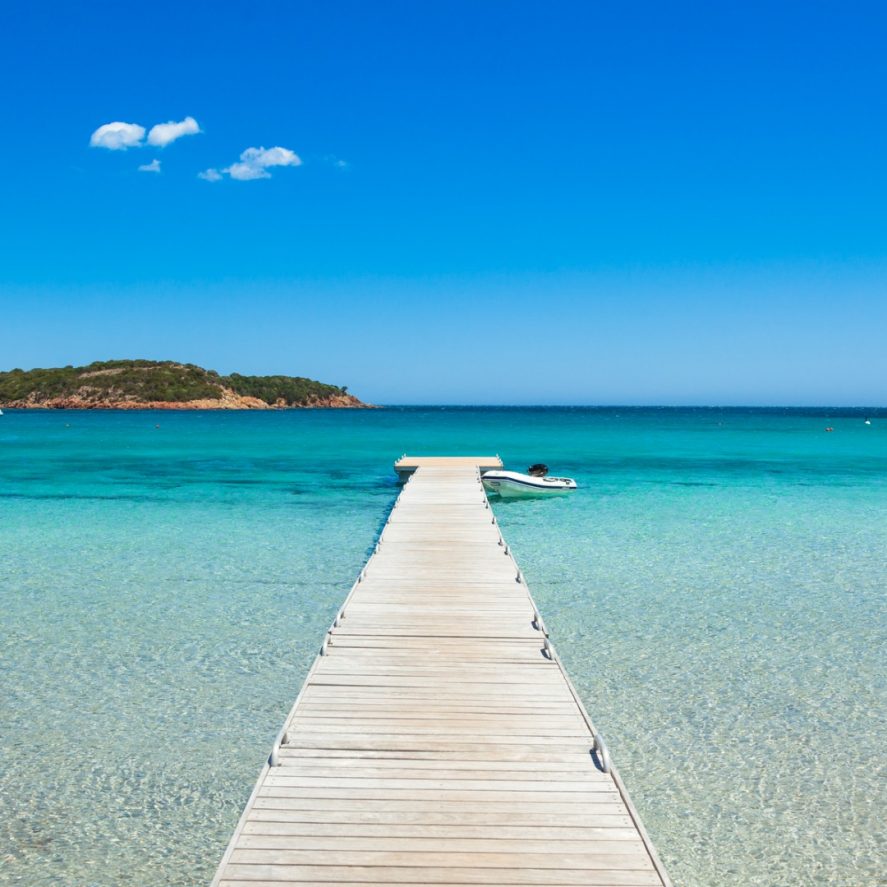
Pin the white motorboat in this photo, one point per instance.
(537, 482)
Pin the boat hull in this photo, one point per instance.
(511, 485)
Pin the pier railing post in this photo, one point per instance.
(603, 755)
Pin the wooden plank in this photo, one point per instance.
(545, 861)
(595, 878)
(328, 698)
(479, 797)
(515, 808)
(504, 754)
(475, 695)
(523, 723)
(306, 878)
(416, 739)
(525, 676)
(389, 766)
(394, 821)
(490, 646)
(393, 709)
(514, 673)
(500, 745)
(482, 679)
(323, 876)
(417, 784)
(490, 771)
(252, 840)
(443, 663)
(257, 825)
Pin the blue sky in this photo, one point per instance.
(493, 202)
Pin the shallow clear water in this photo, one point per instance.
(716, 590)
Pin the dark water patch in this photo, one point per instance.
(832, 482)
(240, 482)
(819, 466)
(122, 497)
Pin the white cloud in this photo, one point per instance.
(117, 136)
(210, 175)
(254, 163)
(164, 134)
(153, 166)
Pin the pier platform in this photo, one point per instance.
(437, 740)
(406, 465)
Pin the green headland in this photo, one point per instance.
(162, 384)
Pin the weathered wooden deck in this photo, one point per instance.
(437, 739)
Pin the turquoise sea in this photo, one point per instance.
(716, 590)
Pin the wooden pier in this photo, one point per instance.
(437, 739)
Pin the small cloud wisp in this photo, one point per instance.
(254, 164)
(153, 166)
(163, 134)
(117, 136)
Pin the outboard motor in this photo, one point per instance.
(537, 470)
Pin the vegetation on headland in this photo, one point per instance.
(294, 390)
(159, 384)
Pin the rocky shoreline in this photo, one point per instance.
(229, 400)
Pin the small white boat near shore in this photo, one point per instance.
(514, 485)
